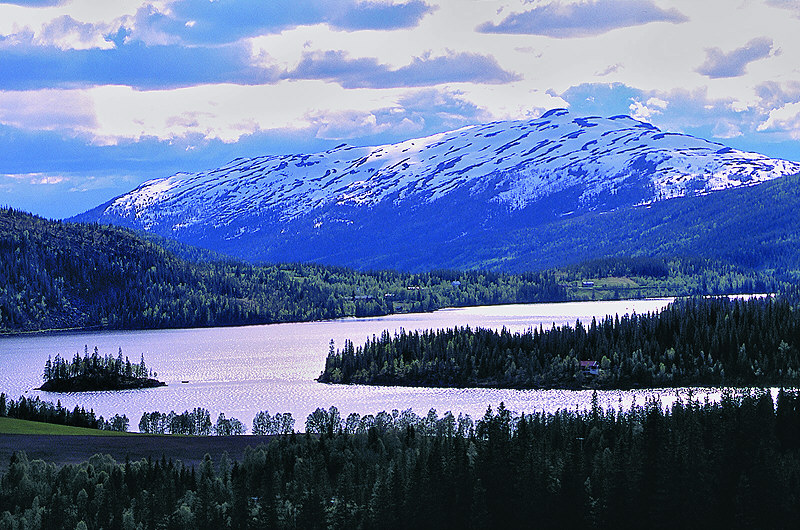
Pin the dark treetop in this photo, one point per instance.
(707, 342)
(733, 464)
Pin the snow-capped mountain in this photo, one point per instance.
(518, 172)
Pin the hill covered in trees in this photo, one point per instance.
(65, 275)
(58, 275)
(708, 342)
(755, 226)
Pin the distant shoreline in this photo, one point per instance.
(96, 328)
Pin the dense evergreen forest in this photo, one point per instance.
(62, 275)
(93, 372)
(697, 341)
(57, 275)
(733, 464)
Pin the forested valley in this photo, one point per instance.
(57, 275)
(732, 464)
(696, 341)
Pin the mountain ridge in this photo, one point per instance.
(514, 174)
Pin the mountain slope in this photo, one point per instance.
(57, 275)
(754, 227)
(373, 207)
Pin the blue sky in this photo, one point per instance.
(97, 97)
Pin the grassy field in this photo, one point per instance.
(14, 426)
(72, 445)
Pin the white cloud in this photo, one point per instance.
(641, 111)
(344, 125)
(48, 180)
(226, 112)
(648, 110)
(47, 110)
(786, 118)
(35, 179)
(656, 56)
(510, 102)
(80, 24)
(725, 129)
(66, 33)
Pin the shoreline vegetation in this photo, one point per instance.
(732, 463)
(40, 428)
(95, 373)
(570, 469)
(694, 342)
(36, 410)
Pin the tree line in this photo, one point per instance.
(58, 275)
(194, 423)
(697, 341)
(197, 422)
(62, 275)
(35, 409)
(94, 366)
(731, 464)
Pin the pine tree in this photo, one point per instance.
(48, 369)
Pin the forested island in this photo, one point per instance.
(732, 464)
(692, 342)
(93, 372)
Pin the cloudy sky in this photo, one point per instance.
(98, 96)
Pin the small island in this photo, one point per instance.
(93, 372)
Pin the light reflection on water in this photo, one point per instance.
(243, 370)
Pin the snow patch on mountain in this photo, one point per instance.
(515, 162)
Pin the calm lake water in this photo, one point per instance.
(242, 370)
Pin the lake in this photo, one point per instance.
(242, 370)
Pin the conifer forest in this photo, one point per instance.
(732, 464)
